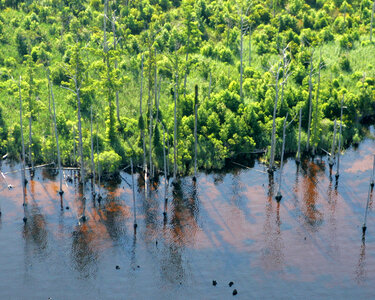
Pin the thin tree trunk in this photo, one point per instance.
(175, 130)
(56, 134)
(241, 56)
(23, 175)
(97, 154)
(373, 174)
(316, 113)
(74, 145)
(299, 137)
(134, 208)
(114, 48)
(92, 156)
(310, 103)
(165, 167)
(340, 135)
(272, 158)
(331, 158)
(195, 130)
(278, 196)
(142, 130)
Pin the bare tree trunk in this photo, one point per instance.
(142, 130)
(299, 137)
(340, 135)
(30, 145)
(74, 145)
(56, 134)
(316, 113)
(116, 64)
(134, 208)
(373, 174)
(331, 158)
(279, 196)
(272, 158)
(165, 167)
(195, 130)
(97, 154)
(241, 56)
(92, 156)
(310, 103)
(175, 129)
(23, 175)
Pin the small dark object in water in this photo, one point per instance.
(214, 283)
(234, 292)
(61, 192)
(10, 186)
(135, 225)
(69, 178)
(26, 181)
(194, 178)
(156, 243)
(0, 213)
(117, 267)
(231, 283)
(138, 267)
(364, 230)
(305, 238)
(337, 176)
(164, 214)
(278, 197)
(372, 184)
(67, 207)
(99, 199)
(24, 220)
(24, 204)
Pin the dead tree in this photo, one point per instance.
(92, 156)
(195, 131)
(317, 106)
(299, 137)
(141, 120)
(310, 102)
(332, 154)
(340, 136)
(279, 196)
(23, 174)
(56, 134)
(272, 158)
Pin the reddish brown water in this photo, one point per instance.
(226, 228)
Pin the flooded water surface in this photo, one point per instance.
(225, 227)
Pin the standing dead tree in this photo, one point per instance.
(310, 102)
(56, 133)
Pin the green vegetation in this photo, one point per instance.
(242, 55)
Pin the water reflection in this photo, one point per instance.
(313, 217)
(84, 253)
(273, 251)
(360, 272)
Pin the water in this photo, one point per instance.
(226, 228)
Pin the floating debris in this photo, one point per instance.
(214, 282)
(234, 292)
(231, 283)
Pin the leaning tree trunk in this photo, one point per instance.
(310, 104)
(331, 158)
(30, 143)
(56, 134)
